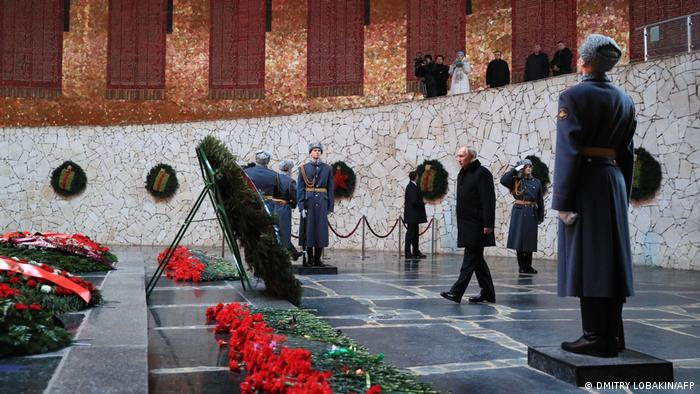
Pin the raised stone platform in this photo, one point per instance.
(299, 269)
(580, 370)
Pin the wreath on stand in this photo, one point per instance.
(540, 171)
(161, 181)
(343, 180)
(68, 179)
(646, 179)
(432, 180)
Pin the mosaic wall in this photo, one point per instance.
(382, 144)
(187, 64)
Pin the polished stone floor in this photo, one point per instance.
(391, 305)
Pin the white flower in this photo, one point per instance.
(46, 289)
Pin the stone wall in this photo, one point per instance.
(382, 144)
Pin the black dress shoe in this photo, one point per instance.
(419, 255)
(530, 270)
(481, 298)
(451, 296)
(592, 345)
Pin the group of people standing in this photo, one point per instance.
(434, 75)
(592, 186)
(311, 193)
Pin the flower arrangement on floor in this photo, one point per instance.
(432, 180)
(161, 181)
(31, 295)
(68, 179)
(252, 224)
(71, 252)
(197, 266)
(344, 180)
(335, 363)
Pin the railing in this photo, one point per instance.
(671, 36)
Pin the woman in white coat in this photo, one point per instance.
(459, 70)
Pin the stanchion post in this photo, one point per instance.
(364, 221)
(432, 237)
(400, 225)
(223, 246)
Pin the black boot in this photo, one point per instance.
(595, 318)
(318, 252)
(521, 262)
(528, 263)
(308, 260)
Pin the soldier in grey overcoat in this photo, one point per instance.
(264, 178)
(283, 205)
(315, 199)
(528, 212)
(592, 185)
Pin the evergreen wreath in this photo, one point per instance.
(161, 181)
(432, 179)
(252, 225)
(646, 180)
(540, 171)
(343, 180)
(68, 179)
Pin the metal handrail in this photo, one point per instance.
(668, 20)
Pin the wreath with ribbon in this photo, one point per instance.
(646, 179)
(540, 171)
(343, 180)
(68, 179)
(432, 180)
(161, 181)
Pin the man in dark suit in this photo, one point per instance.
(536, 65)
(593, 171)
(561, 62)
(476, 214)
(442, 74)
(497, 72)
(413, 215)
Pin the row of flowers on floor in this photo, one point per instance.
(257, 344)
(196, 266)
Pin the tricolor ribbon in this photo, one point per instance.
(38, 272)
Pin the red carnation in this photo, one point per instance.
(376, 389)
(21, 307)
(35, 307)
(31, 283)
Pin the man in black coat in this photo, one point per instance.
(537, 65)
(427, 71)
(413, 214)
(592, 184)
(497, 72)
(561, 62)
(442, 74)
(476, 213)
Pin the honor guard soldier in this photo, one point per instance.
(315, 200)
(592, 185)
(264, 179)
(528, 212)
(284, 204)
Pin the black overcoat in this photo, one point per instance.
(536, 66)
(413, 205)
(522, 233)
(497, 73)
(594, 253)
(476, 206)
(562, 59)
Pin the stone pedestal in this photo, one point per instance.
(577, 369)
(299, 269)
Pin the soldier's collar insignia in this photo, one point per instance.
(563, 113)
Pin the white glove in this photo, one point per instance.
(303, 213)
(568, 217)
(520, 167)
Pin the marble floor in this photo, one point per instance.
(391, 305)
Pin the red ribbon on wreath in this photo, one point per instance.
(38, 272)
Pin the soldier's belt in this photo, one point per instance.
(277, 200)
(606, 153)
(317, 189)
(526, 203)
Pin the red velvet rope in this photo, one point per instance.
(430, 223)
(387, 234)
(351, 232)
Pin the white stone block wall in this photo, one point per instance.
(382, 144)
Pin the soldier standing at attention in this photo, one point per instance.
(592, 185)
(528, 212)
(284, 204)
(315, 199)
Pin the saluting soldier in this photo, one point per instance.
(264, 178)
(284, 204)
(528, 212)
(316, 200)
(592, 185)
